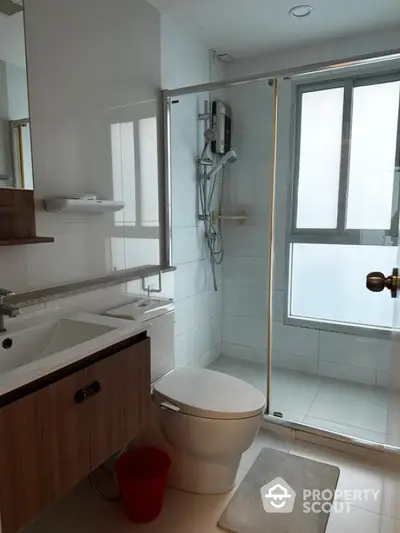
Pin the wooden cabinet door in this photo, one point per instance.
(121, 409)
(44, 450)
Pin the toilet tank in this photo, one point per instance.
(159, 315)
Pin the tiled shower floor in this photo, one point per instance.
(337, 405)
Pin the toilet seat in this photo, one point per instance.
(208, 394)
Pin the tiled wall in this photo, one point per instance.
(198, 307)
(245, 269)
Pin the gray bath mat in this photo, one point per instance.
(271, 498)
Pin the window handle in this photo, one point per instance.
(377, 282)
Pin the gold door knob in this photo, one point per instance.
(377, 282)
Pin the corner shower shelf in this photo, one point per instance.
(241, 217)
(79, 205)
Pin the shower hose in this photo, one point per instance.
(212, 231)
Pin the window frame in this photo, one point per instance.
(338, 235)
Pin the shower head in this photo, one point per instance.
(229, 157)
(210, 135)
(10, 7)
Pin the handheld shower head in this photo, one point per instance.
(232, 156)
(229, 157)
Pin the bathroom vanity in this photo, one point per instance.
(56, 429)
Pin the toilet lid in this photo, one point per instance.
(209, 394)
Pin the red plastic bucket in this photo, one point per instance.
(142, 478)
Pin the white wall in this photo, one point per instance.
(92, 64)
(198, 307)
(326, 50)
(185, 59)
(12, 42)
(17, 91)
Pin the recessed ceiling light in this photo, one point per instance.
(301, 11)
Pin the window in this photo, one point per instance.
(345, 206)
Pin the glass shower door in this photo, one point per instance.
(333, 345)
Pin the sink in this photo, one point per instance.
(45, 339)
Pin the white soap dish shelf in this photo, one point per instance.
(79, 205)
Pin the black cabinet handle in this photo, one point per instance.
(80, 395)
(94, 388)
(83, 394)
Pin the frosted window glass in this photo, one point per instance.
(328, 283)
(372, 156)
(319, 162)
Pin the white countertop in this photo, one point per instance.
(23, 375)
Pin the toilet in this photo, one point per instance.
(209, 419)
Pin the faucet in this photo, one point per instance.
(6, 310)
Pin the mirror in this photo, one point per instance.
(15, 140)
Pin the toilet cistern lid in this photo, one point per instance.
(209, 394)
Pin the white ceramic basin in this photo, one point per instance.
(37, 342)
(38, 346)
(43, 340)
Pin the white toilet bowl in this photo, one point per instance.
(209, 419)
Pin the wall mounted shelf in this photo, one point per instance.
(241, 217)
(27, 240)
(17, 218)
(78, 205)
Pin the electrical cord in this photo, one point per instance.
(102, 494)
(95, 487)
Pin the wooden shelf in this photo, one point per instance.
(27, 240)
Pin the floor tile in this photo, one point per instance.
(391, 495)
(240, 476)
(264, 439)
(357, 474)
(84, 512)
(347, 402)
(359, 520)
(293, 391)
(253, 373)
(346, 429)
(353, 409)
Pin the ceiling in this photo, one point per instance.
(248, 27)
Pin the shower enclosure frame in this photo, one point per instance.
(275, 75)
